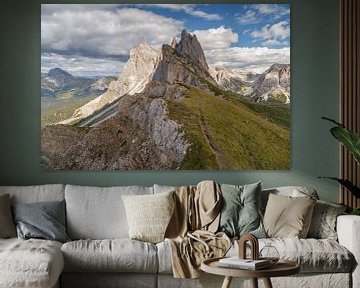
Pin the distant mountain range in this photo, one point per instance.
(59, 83)
(169, 110)
(273, 84)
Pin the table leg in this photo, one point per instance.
(254, 282)
(227, 282)
(267, 283)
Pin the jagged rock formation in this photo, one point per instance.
(133, 79)
(236, 80)
(274, 83)
(190, 47)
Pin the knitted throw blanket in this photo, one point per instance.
(191, 231)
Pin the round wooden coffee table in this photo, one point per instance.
(281, 268)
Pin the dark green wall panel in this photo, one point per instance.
(315, 65)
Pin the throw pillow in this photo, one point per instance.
(149, 215)
(288, 217)
(240, 213)
(43, 220)
(7, 227)
(323, 222)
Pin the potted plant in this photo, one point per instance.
(351, 141)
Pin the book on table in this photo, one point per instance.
(236, 262)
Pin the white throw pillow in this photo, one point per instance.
(149, 215)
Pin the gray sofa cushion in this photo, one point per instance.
(323, 255)
(313, 255)
(36, 193)
(117, 255)
(98, 213)
(30, 263)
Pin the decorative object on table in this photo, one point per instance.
(269, 253)
(241, 261)
(351, 142)
(254, 246)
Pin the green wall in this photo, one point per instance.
(314, 61)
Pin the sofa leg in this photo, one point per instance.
(254, 282)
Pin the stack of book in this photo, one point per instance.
(248, 264)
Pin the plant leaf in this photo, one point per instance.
(349, 139)
(347, 184)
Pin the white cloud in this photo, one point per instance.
(272, 33)
(249, 17)
(101, 33)
(216, 38)
(256, 12)
(189, 9)
(276, 9)
(254, 59)
(80, 65)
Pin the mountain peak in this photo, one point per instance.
(58, 72)
(190, 47)
(173, 43)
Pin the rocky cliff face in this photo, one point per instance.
(190, 47)
(133, 79)
(180, 64)
(137, 137)
(274, 83)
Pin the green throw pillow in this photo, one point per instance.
(240, 213)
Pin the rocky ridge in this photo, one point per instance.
(274, 83)
(232, 79)
(138, 131)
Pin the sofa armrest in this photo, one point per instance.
(348, 230)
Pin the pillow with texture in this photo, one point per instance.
(323, 222)
(149, 215)
(43, 220)
(240, 212)
(7, 226)
(288, 217)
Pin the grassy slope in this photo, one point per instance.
(229, 134)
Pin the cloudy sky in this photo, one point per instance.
(95, 39)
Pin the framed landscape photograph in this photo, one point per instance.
(165, 87)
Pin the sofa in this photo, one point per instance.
(100, 253)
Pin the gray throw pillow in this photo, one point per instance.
(7, 227)
(43, 220)
(323, 222)
(240, 213)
